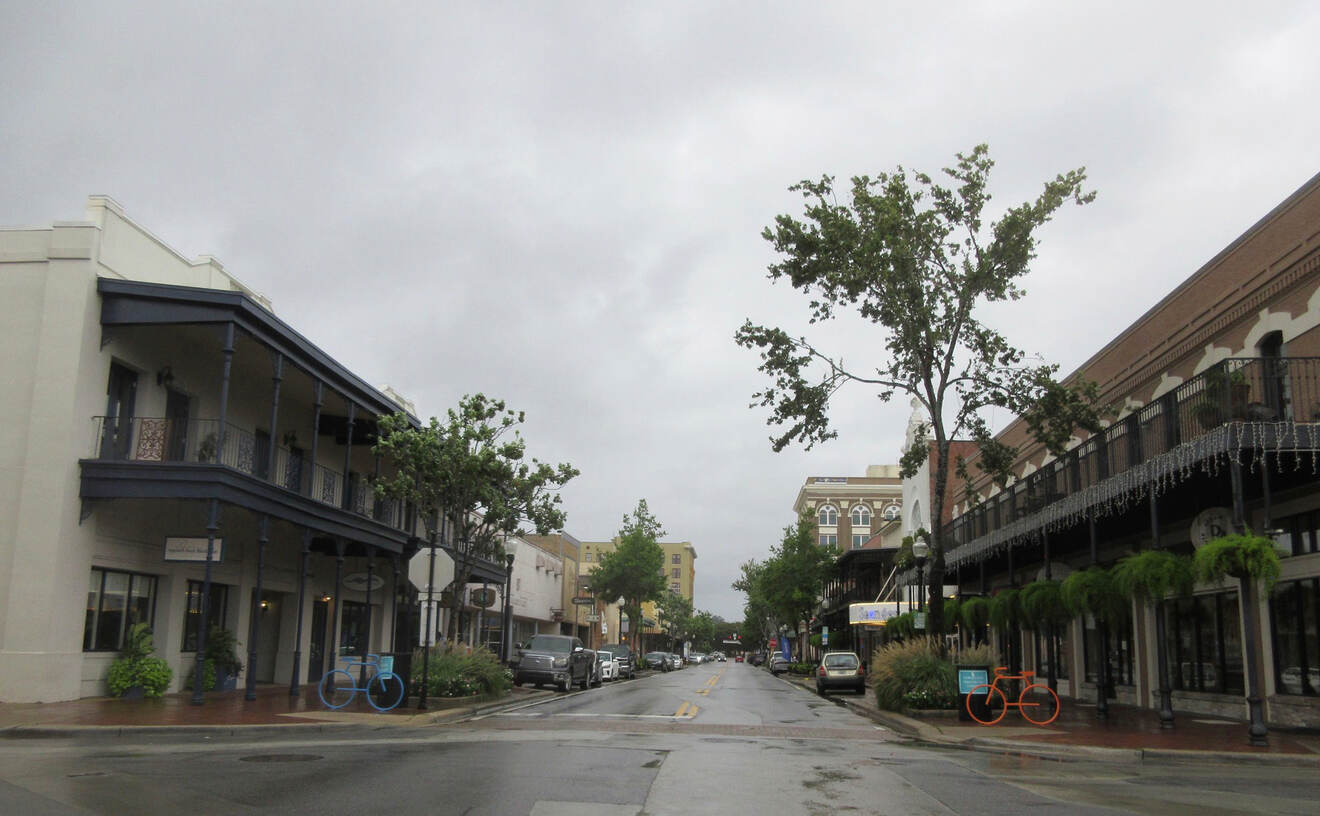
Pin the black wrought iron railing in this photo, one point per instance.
(1252, 390)
(156, 439)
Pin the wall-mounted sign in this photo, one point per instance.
(484, 598)
(872, 613)
(193, 549)
(592, 617)
(1210, 524)
(358, 581)
(580, 601)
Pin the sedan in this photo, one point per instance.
(675, 661)
(657, 660)
(607, 667)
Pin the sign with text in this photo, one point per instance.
(192, 549)
(580, 601)
(969, 679)
(872, 613)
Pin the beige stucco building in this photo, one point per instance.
(159, 409)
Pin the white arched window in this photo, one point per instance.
(828, 517)
(892, 512)
(861, 516)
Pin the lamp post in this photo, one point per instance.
(919, 551)
(508, 609)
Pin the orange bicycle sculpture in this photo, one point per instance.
(1037, 703)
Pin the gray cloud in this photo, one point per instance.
(561, 205)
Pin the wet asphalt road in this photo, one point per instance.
(721, 738)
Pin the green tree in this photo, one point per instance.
(794, 575)
(914, 258)
(470, 483)
(634, 571)
(675, 615)
(702, 631)
(758, 613)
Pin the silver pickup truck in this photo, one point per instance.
(557, 659)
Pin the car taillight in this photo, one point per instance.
(822, 671)
(861, 672)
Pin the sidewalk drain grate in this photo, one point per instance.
(280, 758)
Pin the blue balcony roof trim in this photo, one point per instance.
(134, 303)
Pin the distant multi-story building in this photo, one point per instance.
(851, 510)
(679, 570)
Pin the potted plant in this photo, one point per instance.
(1241, 556)
(1226, 395)
(136, 673)
(974, 613)
(206, 450)
(1006, 609)
(220, 663)
(1042, 604)
(1151, 576)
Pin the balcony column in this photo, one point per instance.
(213, 522)
(277, 372)
(366, 624)
(318, 390)
(294, 686)
(1256, 733)
(1161, 648)
(262, 539)
(348, 457)
(1102, 632)
(1051, 645)
(334, 614)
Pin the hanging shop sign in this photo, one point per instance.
(872, 613)
(193, 549)
(484, 598)
(1210, 524)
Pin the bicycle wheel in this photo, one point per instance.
(336, 688)
(994, 699)
(1039, 704)
(385, 691)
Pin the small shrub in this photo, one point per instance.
(981, 655)
(463, 672)
(208, 676)
(910, 671)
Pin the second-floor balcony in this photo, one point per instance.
(164, 441)
(1241, 403)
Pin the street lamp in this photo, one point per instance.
(508, 609)
(919, 551)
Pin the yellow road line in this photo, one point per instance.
(687, 710)
(681, 709)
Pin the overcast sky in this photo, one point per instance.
(560, 204)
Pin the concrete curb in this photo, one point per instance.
(920, 733)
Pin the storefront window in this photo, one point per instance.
(1294, 610)
(1118, 649)
(217, 616)
(1203, 636)
(116, 601)
(352, 628)
(1042, 652)
(1300, 534)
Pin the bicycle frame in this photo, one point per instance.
(1027, 704)
(378, 684)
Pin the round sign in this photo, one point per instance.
(1210, 524)
(483, 597)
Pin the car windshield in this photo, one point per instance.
(550, 643)
(604, 656)
(840, 661)
(620, 651)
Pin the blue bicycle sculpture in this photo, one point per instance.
(384, 689)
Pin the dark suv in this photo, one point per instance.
(627, 660)
(557, 659)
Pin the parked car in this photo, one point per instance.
(696, 658)
(840, 670)
(560, 660)
(656, 660)
(623, 654)
(737, 658)
(756, 658)
(606, 666)
(718, 657)
(778, 664)
(675, 661)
